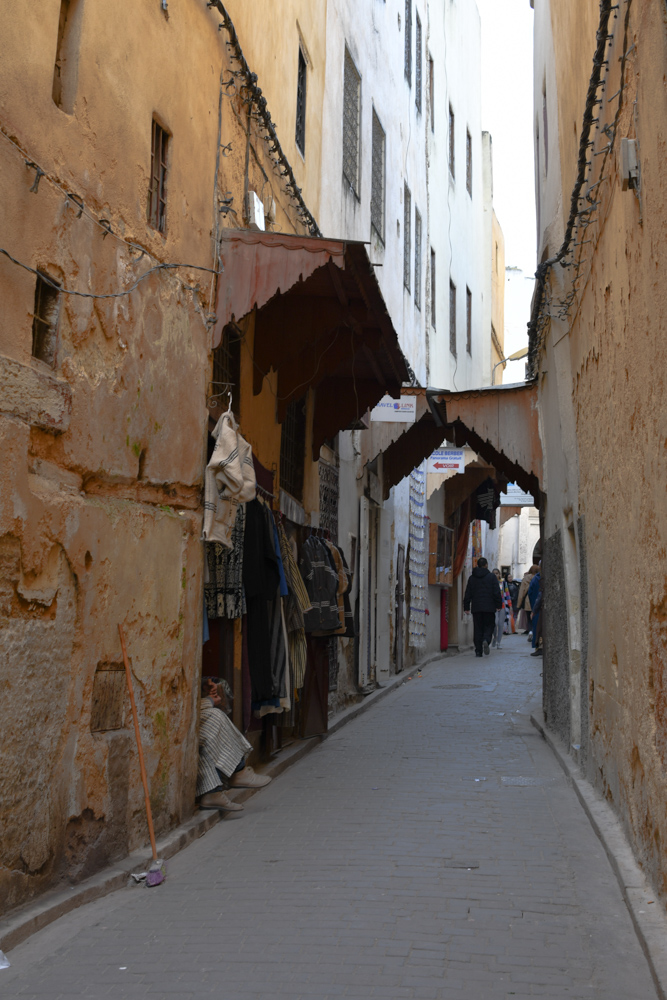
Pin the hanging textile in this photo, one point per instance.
(462, 538)
(228, 481)
(348, 616)
(337, 561)
(510, 626)
(476, 529)
(321, 581)
(296, 603)
(223, 590)
(417, 560)
(486, 500)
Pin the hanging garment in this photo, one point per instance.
(221, 746)
(342, 584)
(349, 632)
(223, 590)
(509, 610)
(261, 580)
(296, 603)
(486, 500)
(321, 582)
(228, 481)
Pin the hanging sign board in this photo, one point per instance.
(395, 411)
(446, 460)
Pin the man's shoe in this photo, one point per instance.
(218, 800)
(478, 654)
(485, 647)
(538, 652)
(248, 779)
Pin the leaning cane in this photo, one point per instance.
(144, 779)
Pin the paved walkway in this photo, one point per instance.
(431, 849)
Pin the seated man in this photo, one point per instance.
(222, 754)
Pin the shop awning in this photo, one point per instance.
(499, 423)
(320, 321)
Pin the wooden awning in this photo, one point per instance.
(320, 322)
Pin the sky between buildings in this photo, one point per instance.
(507, 113)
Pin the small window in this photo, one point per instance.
(418, 260)
(301, 104)
(157, 195)
(227, 367)
(418, 63)
(378, 177)
(433, 288)
(292, 449)
(452, 147)
(408, 41)
(351, 121)
(66, 66)
(469, 162)
(431, 93)
(452, 317)
(468, 321)
(407, 235)
(45, 319)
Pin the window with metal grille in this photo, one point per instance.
(378, 177)
(469, 162)
(157, 195)
(351, 120)
(418, 63)
(408, 41)
(407, 235)
(45, 319)
(431, 92)
(301, 104)
(452, 146)
(468, 320)
(452, 317)
(292, 449)
(418, 260)
(227, 367)
(433, 288)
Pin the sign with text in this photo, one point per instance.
(446, 460)
(395, 411)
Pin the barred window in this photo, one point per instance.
(45, 319)
(452, 317)
(157, 195)
(468, 320)
(227, 367)
(378, 177)
(293, 449)
(301, 104)
(408, 41)
(407, 235)
(452, 147)
(469, 162)
(418, 260)
(351, 122)
(433, 288)
(418, 63)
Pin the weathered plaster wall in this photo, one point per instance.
(618, 361)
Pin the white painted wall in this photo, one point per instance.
(513, 543)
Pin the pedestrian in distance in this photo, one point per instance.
(535, 598)
(523, 603)
(501, 615)
(483, 598)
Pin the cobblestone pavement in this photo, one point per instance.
(430, 849)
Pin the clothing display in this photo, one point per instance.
(223, 586)
(322, 581)
(486, 500)
(228, 481)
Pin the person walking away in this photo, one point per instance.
(533, 593)
(483, 598)
(501, 614)
(538, 618)
(522, 602)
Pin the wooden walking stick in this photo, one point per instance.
(144, 779)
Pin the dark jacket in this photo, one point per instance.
(482, 592)
(535, 593)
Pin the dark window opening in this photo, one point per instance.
(418, 63)
(65, 69)
(45, 319)
(227, 367)
(452, 317)
(378, 177)
(418, 260)
(433, 288)
(408, 41)
(351, 122)
(157, 195)
(293, 448)
(407, 235)
(452, 147)
(301, 104)
(468, 321)
(469, 162)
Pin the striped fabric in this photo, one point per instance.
(221, 746)
(228, 481)
(321, 580)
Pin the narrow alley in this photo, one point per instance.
(431, 849)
